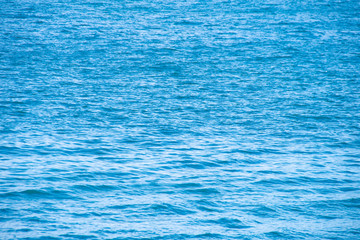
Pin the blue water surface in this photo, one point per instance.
(186, 119)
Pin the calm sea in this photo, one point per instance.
(187, 119)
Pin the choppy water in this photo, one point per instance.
(179, 119)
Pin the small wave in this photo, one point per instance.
(264, 212)
(78, 236)
(229, 223)
(35, 219)
(277, 235)
(187, 185)
(203, 191)
(36, 193)
(168, 209)
(94, 188)
(188, 23)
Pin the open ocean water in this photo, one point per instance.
(187, 119)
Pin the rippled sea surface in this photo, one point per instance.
(182, 119)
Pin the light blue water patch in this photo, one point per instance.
(179, 119)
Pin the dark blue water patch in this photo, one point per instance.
(277, 235)
(37, 220)
(348, 189)
(124, 206)
(167, 209)
(38, 194)
(264, 212)
(42, 238)
(230, 223)
(187, 185)
(78, 236)
(4, 150)
(93, 188)
(203, 191)
(349, 203)
(208, 209)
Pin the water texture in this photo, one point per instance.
(157, 119)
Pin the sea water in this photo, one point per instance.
(187, 119)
